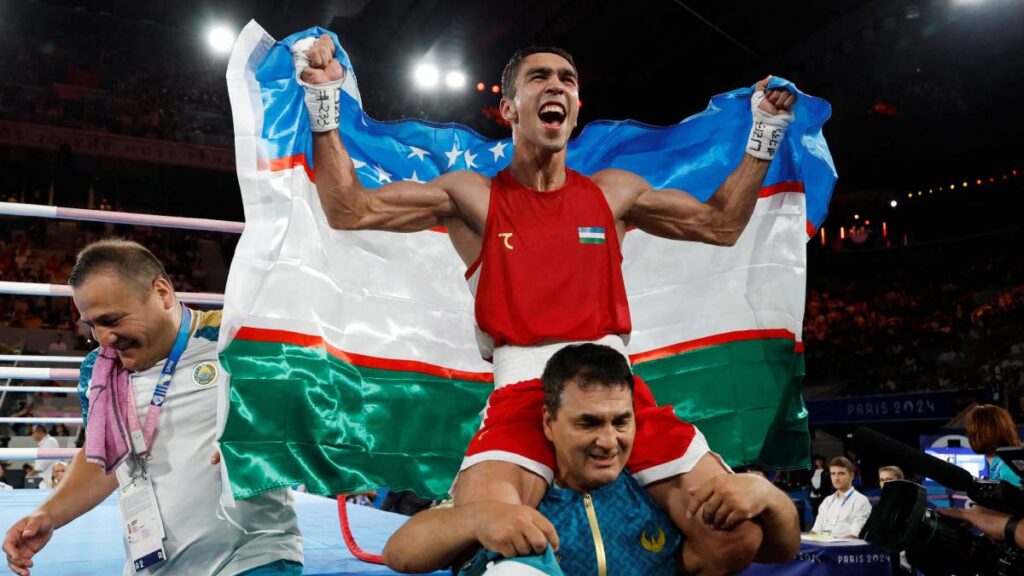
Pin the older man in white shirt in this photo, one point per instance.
(844, 513)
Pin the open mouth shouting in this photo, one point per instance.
(552, 115)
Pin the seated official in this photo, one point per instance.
(845, 512)
(596, 518)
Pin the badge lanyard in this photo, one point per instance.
(142, 433)
(835, 518)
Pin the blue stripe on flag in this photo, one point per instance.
(694, 155)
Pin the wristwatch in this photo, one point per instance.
(1010, 530)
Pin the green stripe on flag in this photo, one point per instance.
(300, 416)
(744, 396)
(585, 240)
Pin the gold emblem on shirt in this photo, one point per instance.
(507, 238)
(655, 544)
(204, 374)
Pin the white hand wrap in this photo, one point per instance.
(322, 100)
(768, 129)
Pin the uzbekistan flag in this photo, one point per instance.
(352, 355)
(591, 235)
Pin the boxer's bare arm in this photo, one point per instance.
(677, 215)
(398, 206)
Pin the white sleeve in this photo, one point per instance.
(861, 511)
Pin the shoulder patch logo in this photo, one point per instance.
(654, 544)
(204, 374)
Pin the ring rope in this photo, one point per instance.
(41, 420)
(38, 389)
(39, 289)
(22, 454)
(23, 373)
(111, 217)
(41, 359)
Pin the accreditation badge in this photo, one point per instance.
(140, 516)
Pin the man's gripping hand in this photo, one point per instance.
(25, 538)
(729, 499)
(321, 75)
(512, 529)
(772, 112)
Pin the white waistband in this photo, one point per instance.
(514, 364)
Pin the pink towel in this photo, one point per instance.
(110, 399)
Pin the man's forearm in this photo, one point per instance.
(84, 486)
(735, 199)
(781, 527)
(430, 540)
(341, 193)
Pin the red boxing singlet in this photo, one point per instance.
(550, 268)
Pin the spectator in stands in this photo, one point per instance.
(889, 473)
(990, 427)
(42, 437)
(58, 346)
(4, 485)
(821, 483)
(844, 513)
(59, 467)
(59, 430)
(25, 409)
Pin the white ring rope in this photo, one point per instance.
(41, 420)
(28, 359)
(109, 217)
(37, 289)
(38, 389)
(21, 373)
(22, 454)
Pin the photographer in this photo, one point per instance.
(998, 526)
(990, 427)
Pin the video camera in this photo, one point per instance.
(934, 544)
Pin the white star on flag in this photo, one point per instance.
(413, 178)
(358, 163)
(498, 150)
(469, 159)
(382, 175)
(417, 152)
(453, 154)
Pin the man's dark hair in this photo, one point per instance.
(40, 428)
(508, 76)
(587, 365)
(131, 261)
(842, 462)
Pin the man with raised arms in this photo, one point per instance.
(542, 247)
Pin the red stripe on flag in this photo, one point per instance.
(307, 341)
(811, 230)
(708, 341)
(781, 187)
(289, 162)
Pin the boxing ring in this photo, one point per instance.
(93, 543)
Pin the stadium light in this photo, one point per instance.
(455, 79)
(220, 39)
(427, 76)
(893, 203)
